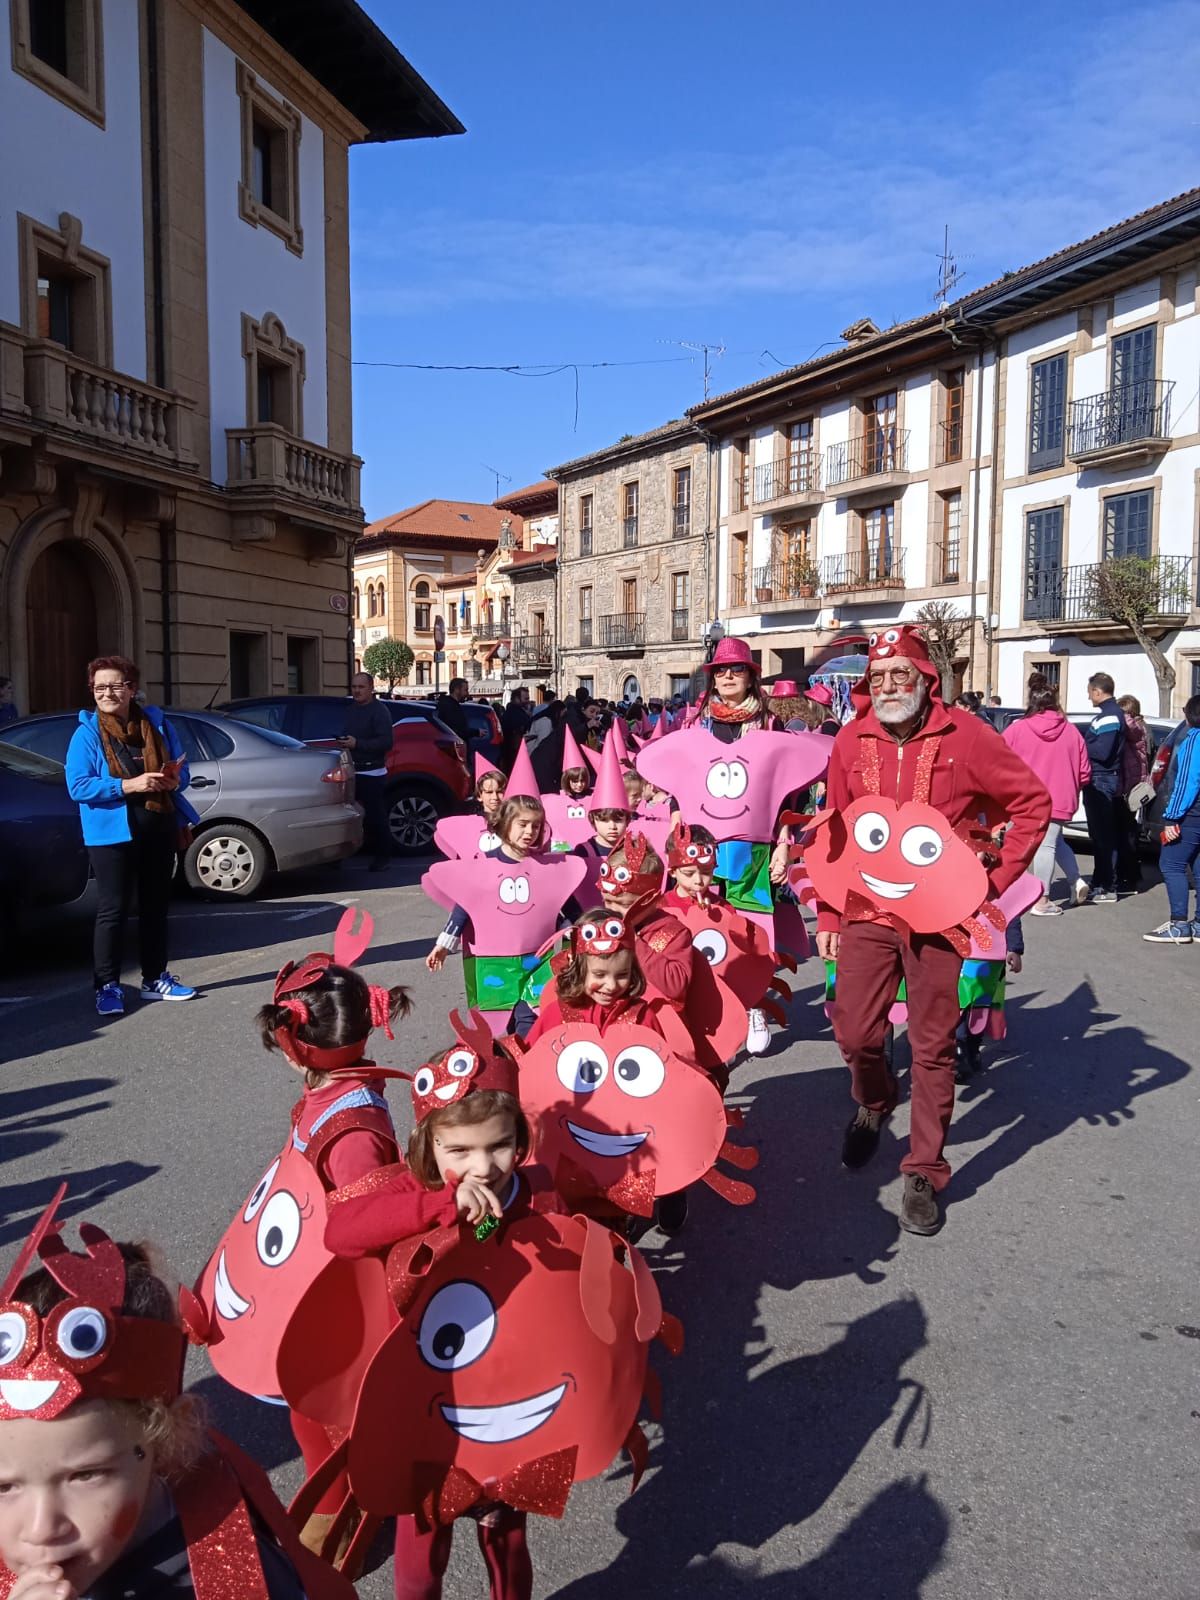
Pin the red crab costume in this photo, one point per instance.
(625, 1116)
(86, 1349)
(914, 804)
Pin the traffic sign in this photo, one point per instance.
(439, 634)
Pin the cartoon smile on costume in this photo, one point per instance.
(625, 1115)
(738, 795)
(517, 1369)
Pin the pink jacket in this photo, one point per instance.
(1054, 749)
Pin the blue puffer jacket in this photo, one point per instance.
(99, 796)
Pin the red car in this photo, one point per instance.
(427, 766)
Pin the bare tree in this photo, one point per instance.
(945, 629)
(1136, 590)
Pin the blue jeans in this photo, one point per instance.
(1174, 861)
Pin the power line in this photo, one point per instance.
(540, 369)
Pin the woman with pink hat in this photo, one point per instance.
(733, 703)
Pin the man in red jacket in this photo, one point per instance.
(902, 737)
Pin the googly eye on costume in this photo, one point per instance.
(582, 1067)
(871, 831)
(461, 1063)
(921, 846)
(82, 1333)
(457, 1326)
(614, 928)
(639, 1071)
(423, 1082)
(279, 1229)
(14, 1333)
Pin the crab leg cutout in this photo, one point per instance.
(40, 1229)
(738, 1194)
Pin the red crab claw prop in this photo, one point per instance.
(45, 1223)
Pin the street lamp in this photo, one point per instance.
(711, 635)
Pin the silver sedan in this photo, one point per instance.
(267, 803)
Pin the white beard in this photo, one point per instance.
(897, 709)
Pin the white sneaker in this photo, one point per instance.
(1082, 891)
(759, 1036)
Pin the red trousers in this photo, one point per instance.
(872, 958)
(421, 1558)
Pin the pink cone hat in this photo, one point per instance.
(608, 793)
(483, 766)
(521, 780)
(593, 760)
(617, 732)
(572, 754)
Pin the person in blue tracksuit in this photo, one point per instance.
(1105, 740)
(1181, 834)
(126, 771)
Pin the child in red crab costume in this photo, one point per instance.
(112, 1483)
(597, 979)
(468, 1161)
(320, 1017)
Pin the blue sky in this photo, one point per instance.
(756, 175)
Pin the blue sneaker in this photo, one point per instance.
(110, 1001)
(1195, 931)
(1170, 933)
(167, 987)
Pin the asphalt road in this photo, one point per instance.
(1011, 1409)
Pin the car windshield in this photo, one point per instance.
(30, 765)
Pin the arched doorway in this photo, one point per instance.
(631, 688)
(61, 610)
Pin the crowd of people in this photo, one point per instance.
(625, 910)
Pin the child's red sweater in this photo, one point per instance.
(393, 1204)
(554, 1012)
(367, 1144)
(664, 953)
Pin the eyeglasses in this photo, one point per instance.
(897, 675)
(730, 672)
(111, 688)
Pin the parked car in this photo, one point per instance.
(266, 803)
(43, 860)
(482, 721)
(427, 768)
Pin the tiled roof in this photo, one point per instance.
(460, 522)
(542, 555)
(629, 446)
(533, 492)
(458, 580)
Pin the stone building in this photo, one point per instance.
(440, 558)
(532, 573)
(179, 480)
(637, 564)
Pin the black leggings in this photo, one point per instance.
(145, 862)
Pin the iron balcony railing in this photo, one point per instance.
(681, 521)
(493, 630)
(885, 450)
(788, 476)
(1082, 593)
(679, 625)
(624, 630)
(947, 562)
(534, 650)
(793, 578)
(585, 633)
(873, 568)
(630, 529)
(1129, 414)
(737, 588)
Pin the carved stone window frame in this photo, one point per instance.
(283, 119)
(64, 246)
(84, 94)
(268, 338)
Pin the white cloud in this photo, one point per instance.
(1039, 159)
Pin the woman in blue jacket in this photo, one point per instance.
(127, 772)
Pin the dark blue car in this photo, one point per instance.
(42, 856)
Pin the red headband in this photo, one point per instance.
(471, 1064)
(683, 851)
(630, 878)
(294, 977)
(602, 935)
(82, 1349)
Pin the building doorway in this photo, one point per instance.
(631, 688)
(60, 609)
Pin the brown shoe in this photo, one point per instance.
(919, 1211)
(862, 1137)
(316, 1530)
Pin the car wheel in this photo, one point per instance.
(226, 861)
(412, 816)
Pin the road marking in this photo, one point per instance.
(14, 999)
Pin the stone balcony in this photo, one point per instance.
(272, 474)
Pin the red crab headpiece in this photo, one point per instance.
(886, 644)
(631, 876)
(472, 1063)
(684, 851)
(83, 1349)
(602, 935)
(296, 976)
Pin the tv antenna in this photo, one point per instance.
(497, 474)
(950, 274)
(709, 351)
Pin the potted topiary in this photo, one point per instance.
(803, 575)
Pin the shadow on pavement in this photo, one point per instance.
(30, 1116)
(1060, 1065)
(22, 1203)
(259, 1428)
(886, 1552)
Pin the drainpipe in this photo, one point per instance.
(159, 330)
(995, 532)
(350, 617)
(975, 520)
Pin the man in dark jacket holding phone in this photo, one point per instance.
(1105, 740)
(367, 735)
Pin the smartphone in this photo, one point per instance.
(170, 769)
